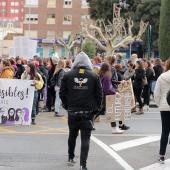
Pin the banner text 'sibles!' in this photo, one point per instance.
(13, 92)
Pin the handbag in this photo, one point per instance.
(168, 97)
(145, 82)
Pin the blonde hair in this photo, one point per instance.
(61, 65)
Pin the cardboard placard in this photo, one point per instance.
(127, 88)
(118, 108)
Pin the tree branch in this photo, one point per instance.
(87, 35)
(99, 32)
(124, 43)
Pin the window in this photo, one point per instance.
(85, 4)
(51, 19)
(16, 18)
(31, 17)
(3, 3)
(16, 3)
(67, 3)
(67, 19)
(16, 10)
(12, 3)
(31, 2)
(12, 11)
(50, 34)
(66, 34)
(51, 3)
(33, 33)
(85, 16)
(22, 10)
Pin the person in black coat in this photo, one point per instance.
(147, 88)
(138, 84)
(21, 68)
(81, 95)
(158, 69)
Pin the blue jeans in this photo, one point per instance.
(34, 106)
(57, 101)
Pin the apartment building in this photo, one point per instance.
(11, 11)
(44, 19)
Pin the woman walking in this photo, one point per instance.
(147, 87)
(138, 84)
(31, 74)
(59, 73)
(115, 82)
(105, 76)
(161, 89)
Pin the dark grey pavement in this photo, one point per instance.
(44, 146)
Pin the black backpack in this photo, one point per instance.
(168, 97)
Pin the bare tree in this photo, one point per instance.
(119, 32)
(68, 45)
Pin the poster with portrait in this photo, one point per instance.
(16, 100)
(118, 108)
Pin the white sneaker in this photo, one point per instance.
(144, 107)
(117, 131)
(147, 108)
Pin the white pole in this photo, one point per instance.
(3, 11)
(113, 13)
(29, 26)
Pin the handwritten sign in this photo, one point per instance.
(118, 108)
(128, 88)
(16, 99)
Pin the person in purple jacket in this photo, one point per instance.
(105, 76)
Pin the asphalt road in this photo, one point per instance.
(44, 146)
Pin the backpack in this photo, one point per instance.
(168, 97)
(54, 79)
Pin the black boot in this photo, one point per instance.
(33, 122)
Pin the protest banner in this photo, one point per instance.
(118, 108)
(127, 88)
(16, 99)
(23, 47)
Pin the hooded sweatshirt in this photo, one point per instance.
(161, 89)
(80, 87)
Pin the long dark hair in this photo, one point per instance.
(11, 118)
(33, 72)
(105, 69)
(140, 64)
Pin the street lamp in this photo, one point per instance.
(3, 12)
(149, 41)
(80, 38)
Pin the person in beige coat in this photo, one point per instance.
(160, 92)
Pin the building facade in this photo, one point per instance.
(45, 20)
(12, 10)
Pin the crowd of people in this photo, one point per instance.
(69, 83)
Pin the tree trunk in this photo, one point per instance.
(67, 53)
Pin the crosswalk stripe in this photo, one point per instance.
(158, 166)
(112, 153)
(135, 142)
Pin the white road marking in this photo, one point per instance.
(158, 166)
(112, 153)
(135, 142)
(124, 135)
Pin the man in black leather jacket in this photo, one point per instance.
(81, 94)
